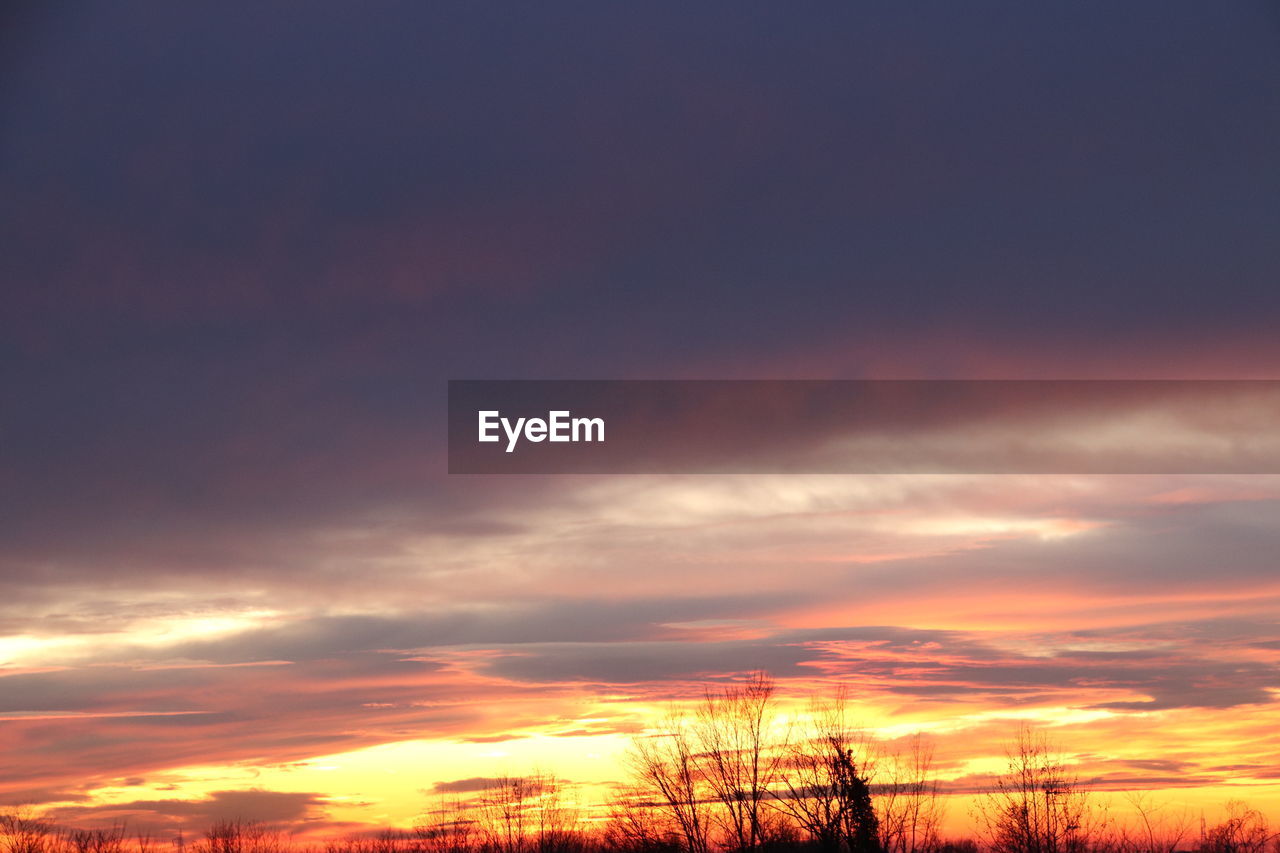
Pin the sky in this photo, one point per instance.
(244, 246)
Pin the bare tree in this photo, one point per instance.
(1037, 806)
(144, 842)
(1245, 830)
(448, 828)
(237, 836)
(20, 832)
(824, 788)
(667, 773)
(738, 758)
(635, 825)
(109, 839)
(1153, 828)
(556, 820)
(505, 814)
(910, 809)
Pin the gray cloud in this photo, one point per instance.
(250, 806)
(468, 785)
(942, 666)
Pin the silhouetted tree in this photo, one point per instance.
(667, 774)
(1245, 830)
(1037, 806)
(909, 807)
(1153, 829)
(22, 833)
(101, 840)
(636, 826)
(448, 828)
(824, 788)
(236, 836)
(738, 756)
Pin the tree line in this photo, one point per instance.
(730, 775)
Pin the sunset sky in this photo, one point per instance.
(243, 247)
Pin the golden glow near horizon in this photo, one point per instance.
(1134, 618)
(393, 784)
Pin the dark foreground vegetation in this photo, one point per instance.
(728, 777)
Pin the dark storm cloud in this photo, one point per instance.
(841, 141)
(249, 529)
(243, 247)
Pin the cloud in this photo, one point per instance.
(290, 713)
(468, 785)
(514, 622)
(248, 806)
(635, 663)
(239, 287)
(937, 665)
(37, 795)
